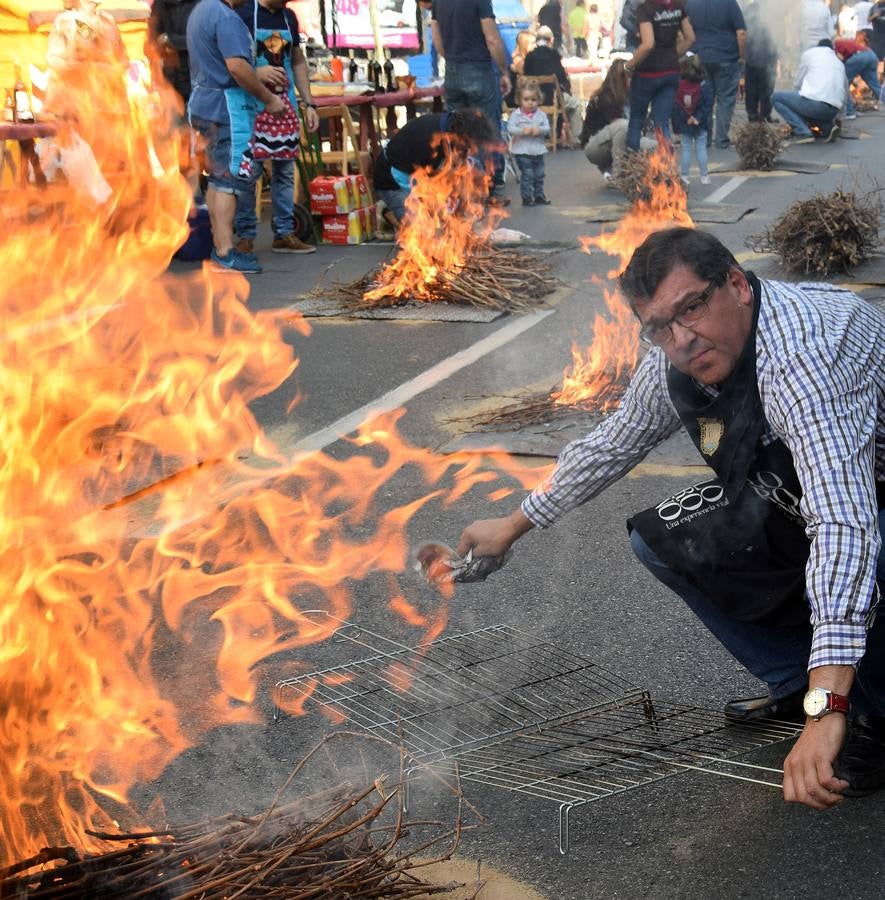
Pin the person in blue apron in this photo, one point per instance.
(781, 387)
(281, 67)
(225, 92)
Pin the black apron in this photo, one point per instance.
(738, 537)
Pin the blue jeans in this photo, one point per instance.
(282, 196)
(724, 78)
(698, 144)
(865, 64)
(218, 155)
(798, 112)
(531, 175)
(778, 656)
(660, 92)
(476, 84)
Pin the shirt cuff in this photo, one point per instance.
(837, 644)
(540, 513)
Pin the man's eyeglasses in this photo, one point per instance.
(691, 313)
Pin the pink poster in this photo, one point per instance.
(351, 26)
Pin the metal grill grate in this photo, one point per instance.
(522, 714)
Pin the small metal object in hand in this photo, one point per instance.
(439, 564)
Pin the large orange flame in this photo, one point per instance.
(145, 513)
(611, 358)
(446, 221)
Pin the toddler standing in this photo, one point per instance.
(528, 127)
(691, 109)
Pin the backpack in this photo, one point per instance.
(629, 21)
(173, 16)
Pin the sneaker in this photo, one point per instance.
(607, 176)
(861, 762)
(802, 139)
(527, 201)
(833, 133)
(542, 201)
(849, 116)
(747, 709)
(234, 262)
(497, 201)
(705, 179)
(288, 243)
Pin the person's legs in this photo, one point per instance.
(282, 195)
(788, 104)
(767, 88)
(753, 80)
(246, 219)
(866, 65)
(526, 177)
(538, 178)
(777, 656)
(662, 102)
(727, 79)
(701, 144)
(685, 155)
(641, 93)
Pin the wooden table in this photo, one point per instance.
(368, 137)
(25, 135)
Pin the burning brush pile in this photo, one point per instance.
(599, 374)
(446, 255)
(758, 145)
(340, 842)
(642, 176)
(825, 234)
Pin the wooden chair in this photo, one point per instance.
(555, 110)
(344, 146)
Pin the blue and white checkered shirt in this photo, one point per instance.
(820, 366)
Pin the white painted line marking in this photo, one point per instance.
(731, 185)
(420, 383)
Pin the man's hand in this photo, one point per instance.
(272, 76)
(493, 537)
(311, 119)
(808, 769)
(505, 84)
(275, 105)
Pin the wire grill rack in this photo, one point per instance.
(515, 712)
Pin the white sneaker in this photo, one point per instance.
(705, 179)
(685, 181)
(849, 116)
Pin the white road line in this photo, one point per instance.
(731, 185)
(426, 380)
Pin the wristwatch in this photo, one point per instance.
(820, 702)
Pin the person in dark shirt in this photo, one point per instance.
(544, 60)
(417, 145)
(760, 65)
(466, 35)
(168, 28)
(664, 33)
(550, 16)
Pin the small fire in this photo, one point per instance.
(446, 222)
(598, 374)
(157, 546)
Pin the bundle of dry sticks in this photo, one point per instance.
(637, 174)
(758, 145)
(492, 278)
(338, 843)
(825, 234)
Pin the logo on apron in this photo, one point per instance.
(711, 433)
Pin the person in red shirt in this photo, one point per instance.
(858, 60)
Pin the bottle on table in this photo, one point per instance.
(376, 72)
(389, 80)
(352, 68)
(336, 67)
(23, 112)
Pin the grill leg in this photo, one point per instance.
(564, 811)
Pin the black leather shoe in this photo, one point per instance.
(787, 708)
(861, 762)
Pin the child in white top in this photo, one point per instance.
(528, 127)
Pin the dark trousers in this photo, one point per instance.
(758, 84)
(531, 175)
(581, 47)
(725, 78)
(658, 91)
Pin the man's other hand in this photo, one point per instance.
(272, 76)
(311, 119)
(505, 84)
(808, 769)
(493, 537)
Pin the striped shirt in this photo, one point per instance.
(820, 367)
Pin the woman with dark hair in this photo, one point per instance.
(604, 135)
(664, 34)
(417, 145)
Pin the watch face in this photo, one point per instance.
(815, 702)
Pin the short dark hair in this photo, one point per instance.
(662, 251)
(825, 42)
(473, 126)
